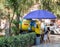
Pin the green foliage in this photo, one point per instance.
(14, 28)
(13, 4)
(20, 6)
(53, 6)
(15, 22)
(58, 2)
(22, 40)
(58, 16)
(46, 4)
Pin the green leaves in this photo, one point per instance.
(14, 28)
(13, 4)
(22, 40)
(53, 6)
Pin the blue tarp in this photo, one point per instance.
(40, 14)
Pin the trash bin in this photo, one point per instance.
(38, 40)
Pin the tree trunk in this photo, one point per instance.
(0, 21)
(13, 16)
(9, 31)
(8, 27)
(10, 21)
(18, 19)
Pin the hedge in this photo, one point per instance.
(22, 40)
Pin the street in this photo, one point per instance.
(54, 42)
(48, 45)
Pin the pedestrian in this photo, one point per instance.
(47, 22)
(46, 33)
(42, 31)
(37, 28)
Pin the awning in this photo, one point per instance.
(40, 14)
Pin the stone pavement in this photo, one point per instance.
(54, 42)
(48, 45)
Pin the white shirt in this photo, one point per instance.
(42, 25)
(47, 21)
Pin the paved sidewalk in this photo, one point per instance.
(48, 45)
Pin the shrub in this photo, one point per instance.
(22, 40)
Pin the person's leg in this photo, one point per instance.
(42, 38)
(45, 39)
(48, 37)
